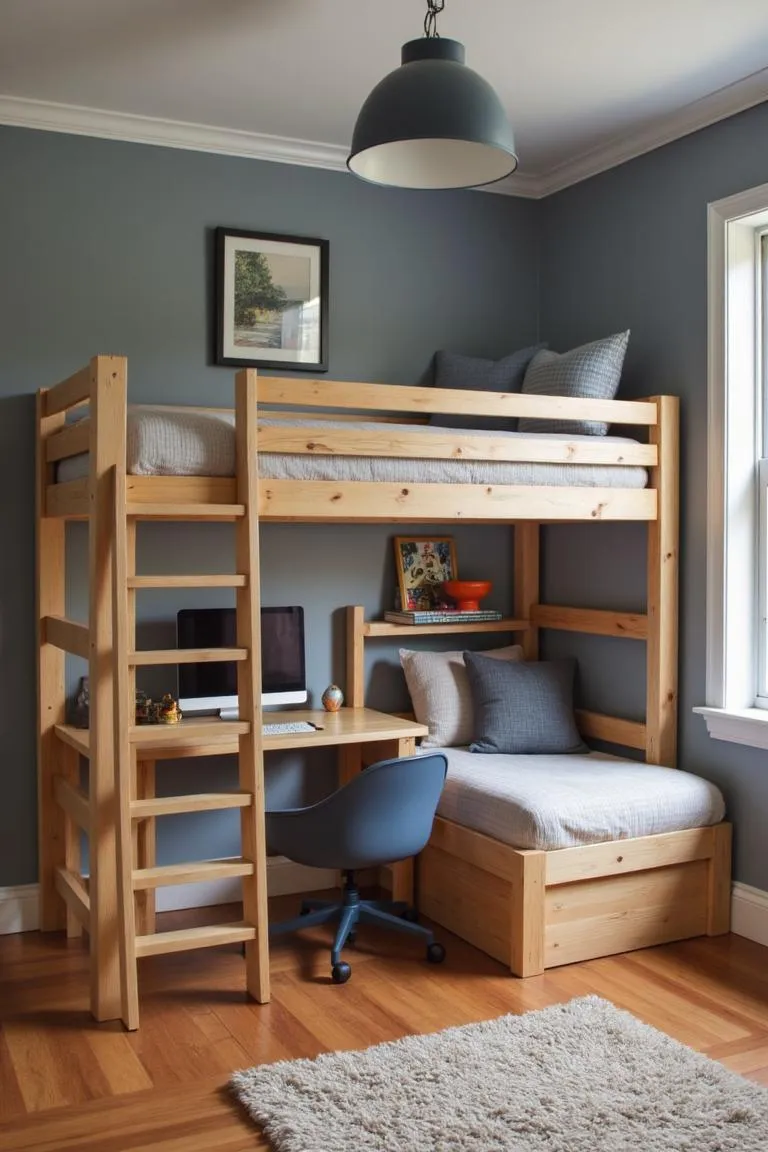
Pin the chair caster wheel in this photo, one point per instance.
(340, 973)
(435, 953)
(411, 915)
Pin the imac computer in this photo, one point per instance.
(212, 687)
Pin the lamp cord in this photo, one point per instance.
(434, 8)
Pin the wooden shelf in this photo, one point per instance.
(381, 628)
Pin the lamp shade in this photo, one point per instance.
(432, 123)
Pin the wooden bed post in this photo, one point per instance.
(355, 656)
(662, 609)
(50, 545)
(526, 591)
(251, 755)
(107, 452)
(528, 883)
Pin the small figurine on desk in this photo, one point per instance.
(169, 711)
(143, 704)
(332, 698)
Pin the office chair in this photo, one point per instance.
(383, 815)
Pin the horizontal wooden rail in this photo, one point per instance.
(451, 445)
(597, 622)
(382, 628)
(396, 398)
(192, 802)
(74, 894)
(69, 500)
(76, 389)
(74, 801)
(216, 581)
(186, 656)
(185, 939)
(71, 440)
(190, 873)
(152, 511)
(68, 635)
(612, 729)
(366, 502)
(569, 865)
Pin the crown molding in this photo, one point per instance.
(728, 101)
(47, 116)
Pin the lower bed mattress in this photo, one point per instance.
(187, 442)
(550, 802)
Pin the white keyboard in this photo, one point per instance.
(289, 727)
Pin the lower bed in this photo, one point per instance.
(543, 861)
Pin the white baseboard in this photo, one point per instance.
(19, 909)
(19, 905)
(749, 913)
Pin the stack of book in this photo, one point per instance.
(443, 616)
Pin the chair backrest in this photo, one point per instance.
(382, 815)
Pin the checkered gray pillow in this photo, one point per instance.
(592, 371)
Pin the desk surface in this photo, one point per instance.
(208, 735)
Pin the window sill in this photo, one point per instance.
(739, 725)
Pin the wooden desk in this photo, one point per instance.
(362, 736)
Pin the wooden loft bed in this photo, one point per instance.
(113, 504)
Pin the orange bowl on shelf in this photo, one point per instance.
(467, 593)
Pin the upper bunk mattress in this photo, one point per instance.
(550, 802)
(181, 442)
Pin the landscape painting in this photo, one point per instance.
(272, 301)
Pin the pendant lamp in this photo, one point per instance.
(433, 122)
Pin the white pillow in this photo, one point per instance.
(441, 696)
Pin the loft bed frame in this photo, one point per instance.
(113, 503)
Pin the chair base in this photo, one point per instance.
(350, 911)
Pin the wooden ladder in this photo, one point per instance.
(249, 799)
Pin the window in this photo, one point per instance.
(737, 536)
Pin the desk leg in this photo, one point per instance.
(69, 762)
(144, 848)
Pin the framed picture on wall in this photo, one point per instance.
(423, 564)
(271, 301)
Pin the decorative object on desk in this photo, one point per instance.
(81, 706)
(423, 565)
(444, 616)
(143, 704)
(332, 698)
(169, 711)
(271, 300)
(467, 593)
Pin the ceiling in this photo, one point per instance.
(585, 82)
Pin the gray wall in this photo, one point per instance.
(107, 247)
(625, 249)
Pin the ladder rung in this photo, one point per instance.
(198, 802)
(218, 581)
(184, 939)
(149, 511)
(186, 656)
(191, 873)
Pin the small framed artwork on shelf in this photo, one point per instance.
(271, 301)
(423, 565)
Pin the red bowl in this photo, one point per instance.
(467, 593)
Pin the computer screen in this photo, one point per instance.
(208, 686)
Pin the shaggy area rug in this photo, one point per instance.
(579, 1077)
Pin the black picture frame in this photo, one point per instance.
(291, 263)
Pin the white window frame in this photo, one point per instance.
(735, 412)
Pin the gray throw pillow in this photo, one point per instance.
(524, 707)
(592, 371)
(474, 374)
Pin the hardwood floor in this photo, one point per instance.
(68, 1083)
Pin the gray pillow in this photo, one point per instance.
(474, 374)
(524, 707)
(592, 371)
